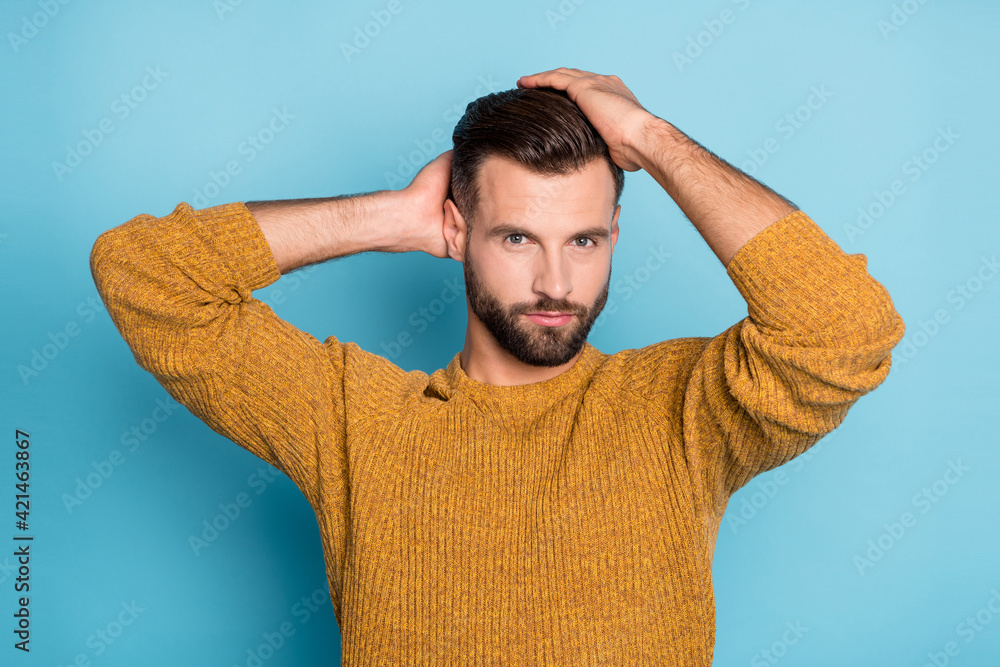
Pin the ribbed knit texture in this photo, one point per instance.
(567, 522)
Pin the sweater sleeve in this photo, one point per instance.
(818, 336)
(178, 289)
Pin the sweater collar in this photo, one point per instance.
(458, 384)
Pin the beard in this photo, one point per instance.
(532, 344)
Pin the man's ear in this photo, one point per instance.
(455, 231)
(614, 227)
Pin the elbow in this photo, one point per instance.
(886, 328)
(873, 317)
(116, 267)
(101, 261)
(112, 257)
(99, 252)
(108, 263)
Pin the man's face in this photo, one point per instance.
(541, 246)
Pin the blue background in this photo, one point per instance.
(788, 551)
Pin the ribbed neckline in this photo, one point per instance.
(522, 395)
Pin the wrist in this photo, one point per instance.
(649, 137)
(385, 213)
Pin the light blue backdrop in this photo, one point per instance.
(112, 109)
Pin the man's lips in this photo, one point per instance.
(550, 319)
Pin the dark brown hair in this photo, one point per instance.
(540, 128)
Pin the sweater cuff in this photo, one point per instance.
(232, 228)
(796, 279)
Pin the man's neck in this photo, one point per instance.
(487, 362)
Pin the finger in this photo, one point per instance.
(553, 78)
(444, 158)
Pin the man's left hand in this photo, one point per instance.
(609, 106)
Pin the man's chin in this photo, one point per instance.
(547, 352)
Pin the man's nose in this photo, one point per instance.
(552, 275)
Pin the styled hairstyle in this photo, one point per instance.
(539, 128)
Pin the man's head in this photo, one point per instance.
(533, 215)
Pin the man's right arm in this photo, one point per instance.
(179, 290)
(306, 231)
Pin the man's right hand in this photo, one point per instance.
(425, 197)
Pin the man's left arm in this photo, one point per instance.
(725, 205)
(819, 330)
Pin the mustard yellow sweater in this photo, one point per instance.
(568, 522)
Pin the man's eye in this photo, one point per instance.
(581, 242)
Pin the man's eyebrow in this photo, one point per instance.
(504, 230)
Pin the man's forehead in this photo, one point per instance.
(511, 192)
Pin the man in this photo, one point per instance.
(536, 501)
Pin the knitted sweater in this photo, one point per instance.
(567, 522)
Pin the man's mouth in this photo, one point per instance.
(550, 319)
